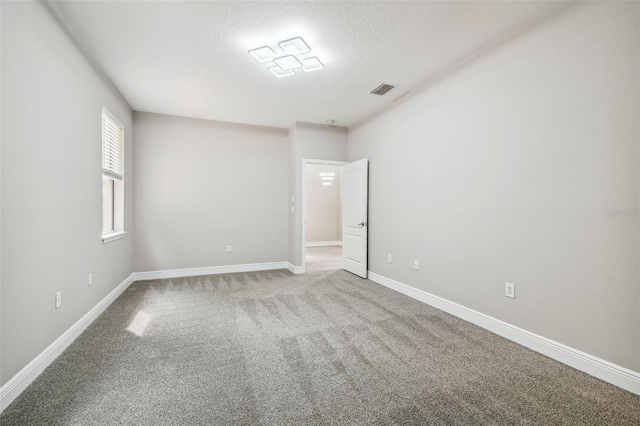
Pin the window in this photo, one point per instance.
(112, 178)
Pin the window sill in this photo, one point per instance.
(107, 238)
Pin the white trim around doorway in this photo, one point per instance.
(303, 207)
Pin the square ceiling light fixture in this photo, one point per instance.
(295, 46)
(279, 72)
(288, 62)
(290, 55)
(312, 64)
(263, 54)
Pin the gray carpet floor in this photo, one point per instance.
(272, 348)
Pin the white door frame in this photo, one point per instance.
(303, 202)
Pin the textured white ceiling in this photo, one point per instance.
(190, 58)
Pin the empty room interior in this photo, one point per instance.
(309, 212)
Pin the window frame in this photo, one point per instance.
(115, 200)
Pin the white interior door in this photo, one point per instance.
(354, 217)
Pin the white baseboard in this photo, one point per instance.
(209, 270)
(295, 269)
(323, 243)
(604, 370)
(31, 371)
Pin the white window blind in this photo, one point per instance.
(112, 146)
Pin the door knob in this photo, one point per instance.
(361, 224)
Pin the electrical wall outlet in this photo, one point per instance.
(229, 249)
(58, 299)
(389, 258)
(416, 265)
(90, 279)
(510, 290)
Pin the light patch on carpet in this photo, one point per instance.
(139, 323)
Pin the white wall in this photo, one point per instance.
(323, 204)
(503, 170)
(52, 101)
(316, 142)
(202, 185)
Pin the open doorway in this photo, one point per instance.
(322, 215)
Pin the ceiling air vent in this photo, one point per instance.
(382, 89)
